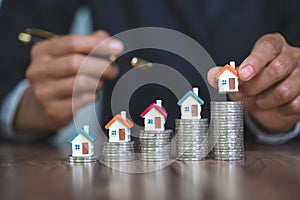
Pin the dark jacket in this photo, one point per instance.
(227, 29)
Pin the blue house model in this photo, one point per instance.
(82, 143)
(190, 105)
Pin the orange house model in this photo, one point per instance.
(119, 128)
(228, 79)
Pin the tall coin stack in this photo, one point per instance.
(155, 145)
(118, 151)
(192, 142)
(227, 130)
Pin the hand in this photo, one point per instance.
(270, 83)
(55, 65)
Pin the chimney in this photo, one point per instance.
(159, 103)
(86, 128)
(232, 64)
(123, 115)
(196, 91)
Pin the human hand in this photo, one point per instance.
(270, 83)
(52, 73)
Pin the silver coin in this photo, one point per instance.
(190, 159)
(118, 159)
(155, 159)
(78, 159)
(164, 132)
(192, 155)
(202, 120)
(155, 149)
(192, 152)
(228, 152)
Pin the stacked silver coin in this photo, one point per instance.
(227, 130)
(81, 159)
(192, 142)
(118, 151)
(155, 145)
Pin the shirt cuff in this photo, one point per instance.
(268, 138)
(9, 107)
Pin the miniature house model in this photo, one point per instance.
(119, 128)
(82, 143)
(190, 105)
(154, 117)
(228, 79)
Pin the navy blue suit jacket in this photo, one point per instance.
(226, 28)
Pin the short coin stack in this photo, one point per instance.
(192, 142)
(118, 151)
(227, 130)
(155, 145)
(83, 159)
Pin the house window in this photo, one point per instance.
(113, 132)
(186, 109)
(150, 121)
(224, 82)
(77, 147)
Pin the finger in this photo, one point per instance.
(211, 76)
(291, 108)
(280, 68)
(78, 44)
(68, 87)
(265, 50)
(101, 34)
(74, 64)
(280, 94)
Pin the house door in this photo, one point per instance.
(194, 110)
(157, 122)
(121, 134)
(85, 148)
(231, 84)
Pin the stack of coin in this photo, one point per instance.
(155, 145)
(227, 130)
(118, 151)
(191, 139)
(81, 159)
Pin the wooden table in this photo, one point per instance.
(39, 171)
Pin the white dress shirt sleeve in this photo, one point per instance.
(9, 107)
(267, 138)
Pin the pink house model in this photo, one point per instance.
(228, 79)
(119, 128)
(154, 117)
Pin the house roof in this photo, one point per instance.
(190, 93)
(126, 122)
(157, 107)
(227, 67)
(89, 136)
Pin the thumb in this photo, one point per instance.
(211, 76)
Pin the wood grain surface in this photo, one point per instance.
(39, 171)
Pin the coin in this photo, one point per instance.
(227, 129)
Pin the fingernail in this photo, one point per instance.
(116, 45)
(247, 71)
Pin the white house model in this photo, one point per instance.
(190, 105)
(82, 143)
(228, 79)
(154, 117)
(119, 128)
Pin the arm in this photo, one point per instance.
(269, 84)
(55, 65)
